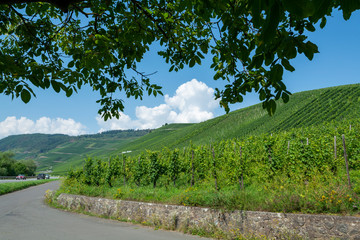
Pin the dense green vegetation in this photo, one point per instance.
(10, 167)
(15, 186)
(292, 171)
(308, 108)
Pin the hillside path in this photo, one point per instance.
(24, 215)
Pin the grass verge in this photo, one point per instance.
(316, 195)
(15, 186)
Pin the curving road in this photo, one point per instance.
(23, 215)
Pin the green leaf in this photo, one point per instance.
(71, 64)
(19, 88)
(285, 97)
(257, 61)
(276, 73)
(309, 50)
(204, 48)
(310, 27)
(278, 94)
(197, 60)
(287, 65)
(262, 95)
(323, 22)
(25, 96)
(200, 55)
(271, 107)
(269, 58)
(271, 23)
(69, 92)
(46, 82)
(349, 6)
(55, 85)
(192, 62)
(217, 75)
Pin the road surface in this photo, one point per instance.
(23, 215)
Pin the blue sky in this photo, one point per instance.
(185, 99)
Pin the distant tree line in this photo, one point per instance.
(11, 167)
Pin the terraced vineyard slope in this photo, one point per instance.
(304, 109)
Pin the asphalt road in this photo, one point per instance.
(23, 215)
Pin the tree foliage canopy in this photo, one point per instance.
(64, 45)
(10, 167)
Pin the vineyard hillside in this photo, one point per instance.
(304, 109)
(309, 108)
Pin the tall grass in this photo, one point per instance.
(320, 194)
(15, 186)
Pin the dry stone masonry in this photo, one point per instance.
(183, 218)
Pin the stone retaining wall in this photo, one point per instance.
(185, 218)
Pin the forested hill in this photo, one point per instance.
(40, 143)
(36, 143)
(53, 149)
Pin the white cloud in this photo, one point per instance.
(23, 125)
(152, 117)
(124, 122)
(193, 102)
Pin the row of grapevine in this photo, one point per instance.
(298, 153)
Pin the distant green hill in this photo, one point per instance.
(52, 151)
(33, 143)
(304, 109)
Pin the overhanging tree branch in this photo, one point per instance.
(262, 36)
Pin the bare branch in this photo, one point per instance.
(142, 74)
